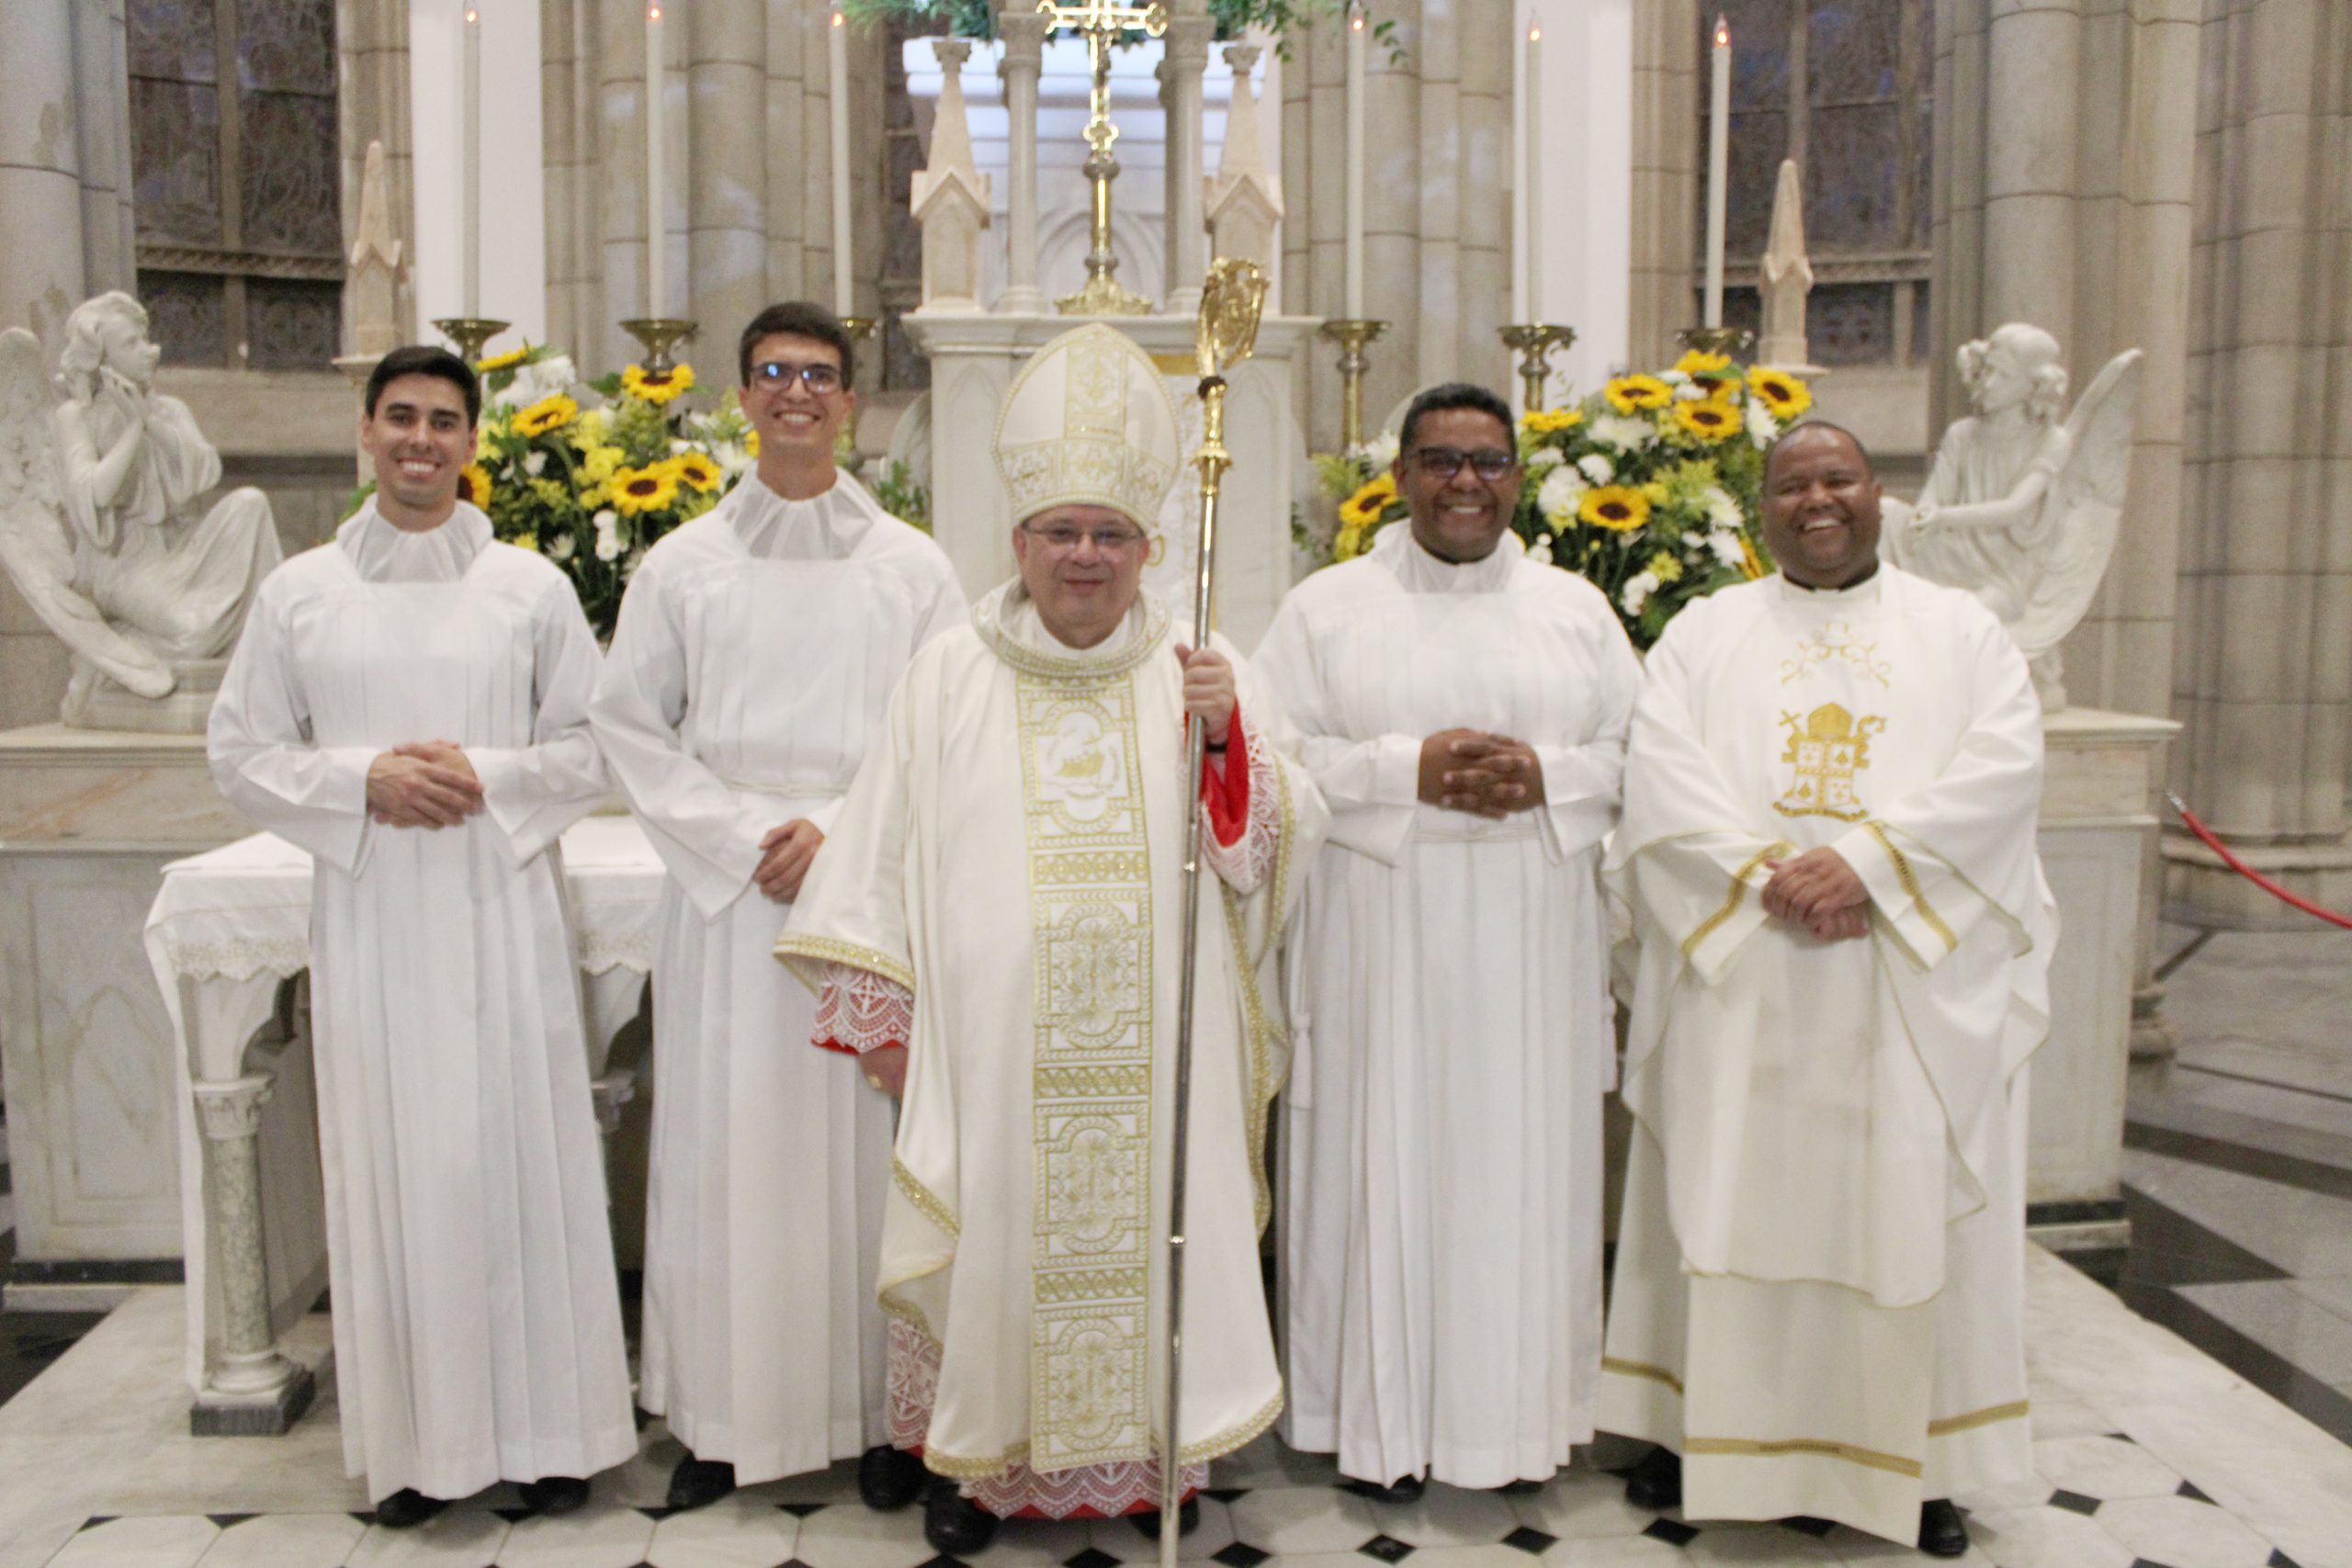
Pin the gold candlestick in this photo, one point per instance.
(1353, 336)
(1716, 340)
(1534, 343)
(470, 335)
(1102, 22)
(659, 334)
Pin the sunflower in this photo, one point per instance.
(551, 412)
(1617, 508)
(506, 361)
(475, 480)
(695, 470)
(1348, 543)
(752, 444)
(1363, 508)
(1629, 394)
(1547, 421)
(1696, 363)
(653, 489)
(1786, 395)
(1752, 565)
(657, 387)
(1710, 419)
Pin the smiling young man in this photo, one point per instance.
(409, 704)
(1463, 712)
(756, 650)
(1828, 845)
(1002, 910)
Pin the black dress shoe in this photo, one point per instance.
(1188, 1519)
(1522, 1487)
(1655, 1483)
(1942, 1532)
(1404, 1489)
(553, 1494)
(955, 1524)
(889, 1479)
(698, 1483)
(407, 1508)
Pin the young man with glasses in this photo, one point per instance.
(756, 650)
(1004, 898)
(1465, 712)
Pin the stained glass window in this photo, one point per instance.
(236, 166)
(1846, 88)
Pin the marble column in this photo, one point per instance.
(1023, 34)
(569, 103)
(727, 183)
(2263, 661)
(1436, 221)
(1666, 176)
(64, 161)
(1190, 32)
(250, 1383)
(372, 105)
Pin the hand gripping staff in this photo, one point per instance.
(1232, 297)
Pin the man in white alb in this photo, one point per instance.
(756, 649)
(1464, 711)
(409, 704)
(998, 918)
(1829, 844)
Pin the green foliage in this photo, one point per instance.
(902, 497)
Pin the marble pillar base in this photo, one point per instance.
(2097, 821)
(270, 1415)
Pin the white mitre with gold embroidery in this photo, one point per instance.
(1088, 421)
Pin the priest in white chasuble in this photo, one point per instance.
(1463, 710)
(756, 650)
(997, 920)
(1845, 937)
(409, 703)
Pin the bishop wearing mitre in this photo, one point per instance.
(996, 925)
(1829, 843)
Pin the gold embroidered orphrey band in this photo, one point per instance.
(1090, 893)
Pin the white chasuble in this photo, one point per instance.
(756, 654)
(1442, 1149)
(1010, 854)
(1819, 1272)
(477, 1318)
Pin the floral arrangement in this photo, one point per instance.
(1649, 488)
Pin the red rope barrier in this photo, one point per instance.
(2232, 861)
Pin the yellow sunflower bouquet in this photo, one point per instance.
(1363, 495)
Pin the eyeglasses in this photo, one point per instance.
(1063, 538)
(1444, 462)
(818, 379)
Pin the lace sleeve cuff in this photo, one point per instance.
(859, 1010)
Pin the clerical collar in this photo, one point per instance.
(1422, 572)
(1006, 619)
(381, 551)
(826, 526)
(1866, 592)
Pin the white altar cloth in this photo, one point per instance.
(230, 926)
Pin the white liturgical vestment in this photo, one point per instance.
(756, 654)
(1441, 1153)
(477, 1318)
(1819, 1273)
(1010, 854)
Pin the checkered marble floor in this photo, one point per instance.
(2147, 1453)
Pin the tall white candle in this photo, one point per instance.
(1718, 169)
(1532, 124)
(837, 80)
(657, 239)
(1353, 263)
(469, 176)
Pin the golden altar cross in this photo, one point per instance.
(1103, 23)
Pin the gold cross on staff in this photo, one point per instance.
(1102, 22)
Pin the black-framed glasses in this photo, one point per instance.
(1489, 463)
(818, 379)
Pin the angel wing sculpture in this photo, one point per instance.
(101, 531)
(2022, 507)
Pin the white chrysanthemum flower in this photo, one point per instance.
(732, 460)
(1674, 378)
(1726, 546)
(1691, 391)
(1543, 460)
(560, 548)
(1638, 591)
(1722, 511)
(535, 463)
(608, 535)
(1559, 496)
(544, 378)
(1381, 451)
(1541, 554)
(1597, 469)
(1762, 427)
(1623, 432)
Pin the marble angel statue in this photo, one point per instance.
(100, 527)
(2021, 507)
